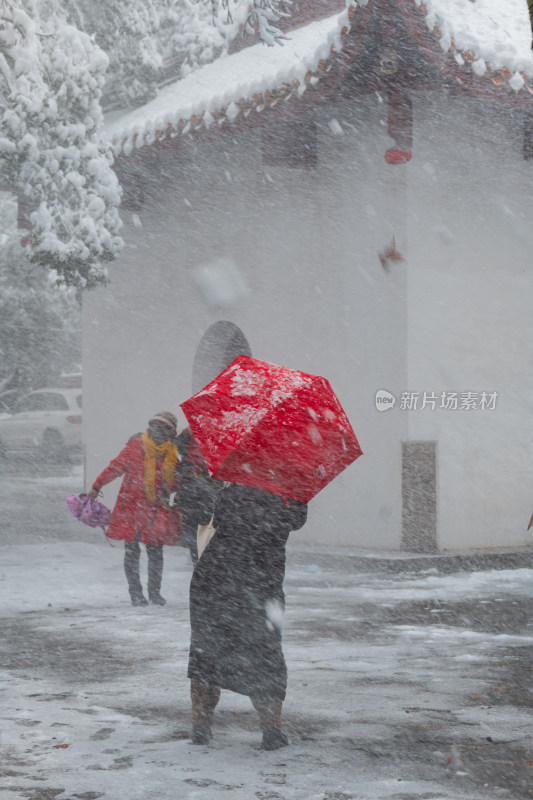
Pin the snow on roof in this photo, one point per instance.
(492, 35)
(233, 85)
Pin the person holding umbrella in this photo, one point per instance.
(142, 513)
(273, 437)
(236, 606)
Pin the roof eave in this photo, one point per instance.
(463, 68)
(268, 108)
(338, 76)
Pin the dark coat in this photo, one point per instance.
(192, 475)
(236, 593)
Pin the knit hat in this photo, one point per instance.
(165, 418)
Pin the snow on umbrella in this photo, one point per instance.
(273, 428)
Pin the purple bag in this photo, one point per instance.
(89, 511)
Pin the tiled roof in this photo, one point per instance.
(488, 38)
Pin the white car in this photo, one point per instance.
(47, 419)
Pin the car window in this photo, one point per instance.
(26, 404)
(49, 401)
(42, 401)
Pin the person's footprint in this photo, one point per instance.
(124, 762)
(103, 733)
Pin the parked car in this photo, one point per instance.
(47, 421)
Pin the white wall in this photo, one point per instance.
(469, 309)
(454, 316)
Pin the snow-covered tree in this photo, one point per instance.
(148, 41)
(40, 325)
(127, 31)
(53, 60)
(202, 30)
(51, 150)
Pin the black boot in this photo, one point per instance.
(139, 600)
(201, 734)
(270, 718)
(157, 600)
(273, 739)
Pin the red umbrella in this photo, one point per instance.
(272, 428)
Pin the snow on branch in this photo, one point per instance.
(260, 19)
(262, 16)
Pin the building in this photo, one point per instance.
(355, 204)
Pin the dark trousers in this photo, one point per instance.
(132, 554)
(189, 529)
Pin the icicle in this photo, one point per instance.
(479, 67)
(517, 82)
(232, 111)
(445, 42)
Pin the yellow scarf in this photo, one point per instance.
(155, 452)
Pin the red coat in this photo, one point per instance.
(133, 511)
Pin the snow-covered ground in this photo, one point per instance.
(413, 685)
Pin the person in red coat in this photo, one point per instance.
(142, 513)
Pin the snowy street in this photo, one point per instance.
(404, 682)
